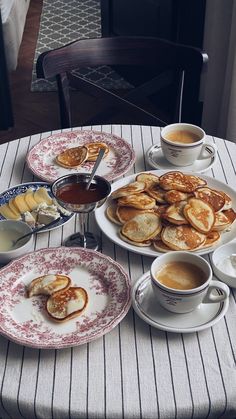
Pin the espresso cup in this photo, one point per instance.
(183, 144)
(181, 281)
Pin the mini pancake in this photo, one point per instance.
(214, 198)
(221, 222)
(200, 215)
(148, 178)
(182, 237)
(180, 182)
(143, 227)
(131, 188)
(48, 284)
(72, 157)
(230, 214)
(127, 213)
(65, 305)
(160, 246)
(111, 214)
(94, 148)
(139, 201)
(174, 213)
(228, 201)
(212, 239)
(173, 196)
(146, 243)
(156, 192)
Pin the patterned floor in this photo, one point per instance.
(64, 21)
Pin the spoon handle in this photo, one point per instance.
(37, 230)
(97, 162)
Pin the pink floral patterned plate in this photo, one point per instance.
(41, 158)
(24, 320)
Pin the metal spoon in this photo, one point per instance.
(97, 162)
(14, 242)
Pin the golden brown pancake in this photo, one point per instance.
(160, 246)
(156, 192)
(72, 157)
(200, 215)
(65, 305)
(182, 237)
(146, 243)
(180, 182)
(94, 148)
(148, 178)
(142, 227)
(139, 201)
(221, 222)
(111, 214)
(214, 198)
(132, 188)
(212, 239)
(230, 214)
(174, 213)
(127, 213)
(173, 196)
(48, 284)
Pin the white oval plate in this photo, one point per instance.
(19, 189)
(24, 320)
(148, 309)
(157, 160)
(111, 230)
(41, 158)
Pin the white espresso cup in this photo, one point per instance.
(191, 275)
(183, 144)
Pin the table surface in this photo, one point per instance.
(135, 371)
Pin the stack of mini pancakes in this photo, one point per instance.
(76, 156)
(175, 211)
(64, 301)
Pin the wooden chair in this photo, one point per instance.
(154, 66)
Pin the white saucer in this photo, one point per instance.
(147, 307)
(157, 160)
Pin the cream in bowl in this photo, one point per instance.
(11, 230)
(224, 263)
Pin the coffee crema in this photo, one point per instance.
(182, 137)
(181, 275)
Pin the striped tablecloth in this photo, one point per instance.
(135, 371)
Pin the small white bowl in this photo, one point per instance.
(24, 246)
(220, 254)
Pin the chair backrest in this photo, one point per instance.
(166, 61)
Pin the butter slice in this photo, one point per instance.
(6, 212)
(29, 199)
(19, 202)
(41, 195)
(13, 208)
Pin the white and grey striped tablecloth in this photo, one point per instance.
(135, 371)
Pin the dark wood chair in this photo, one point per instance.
(161, 73)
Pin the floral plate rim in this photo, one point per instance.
(9, 272)
(51, 172)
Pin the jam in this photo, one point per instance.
(76, 193)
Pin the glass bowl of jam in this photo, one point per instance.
(71, 193)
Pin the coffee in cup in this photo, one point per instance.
(182, 144)
(181, 281)
(180, 275)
